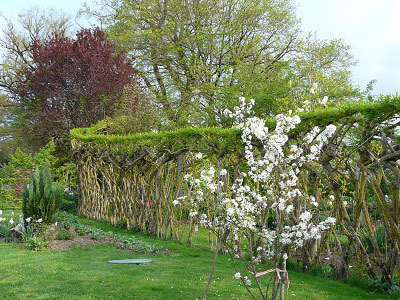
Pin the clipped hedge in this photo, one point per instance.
(201, 138)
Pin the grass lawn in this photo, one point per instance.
(83, 273)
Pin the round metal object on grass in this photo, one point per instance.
(139, 261)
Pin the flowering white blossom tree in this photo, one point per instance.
(263, 213)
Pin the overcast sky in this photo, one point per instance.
(371, 27)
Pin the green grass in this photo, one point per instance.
(83, 273)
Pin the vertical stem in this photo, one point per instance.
(283, 276)
(212, 270)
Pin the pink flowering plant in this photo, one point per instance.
(263, 216)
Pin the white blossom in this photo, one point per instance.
(330, 220)
(270, 183)
(223, 172)
(193, 213)
(324, 100)
(305, 216)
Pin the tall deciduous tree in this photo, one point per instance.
(196, 56)
(187, 50)
(70, 83)
(10, 137)
(16, 40)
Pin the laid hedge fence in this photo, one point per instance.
(200, 137)
(133, 179)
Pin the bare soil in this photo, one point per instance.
(79, 241)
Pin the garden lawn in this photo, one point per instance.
(181, 273)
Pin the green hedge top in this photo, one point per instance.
(184, 137)
(202, 138)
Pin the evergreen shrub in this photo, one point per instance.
(41, 196)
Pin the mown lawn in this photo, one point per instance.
(83, 273)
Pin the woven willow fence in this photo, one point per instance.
(134, 179)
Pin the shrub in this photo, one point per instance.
(70, 202)
(41, 197)
(379, 287)
(17, 172)
(36, 243)
(64, 234)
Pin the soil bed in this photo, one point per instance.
(79, 241)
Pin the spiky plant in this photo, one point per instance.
(41, 196)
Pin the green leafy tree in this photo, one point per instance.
(10, 137)
(186, 51)
(197, 56)
(322, 68)
(317, 68)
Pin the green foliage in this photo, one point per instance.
(41, 197)
(179, 274)
(380, 236)
(325, 63)
(64, 172)
(27, 231)
(15, 173)
(129, 243)
(36, 243)
(319, 270)
(202, 139)
(10, 135)
(11, 230)
(379, 287)
(70, 202)
(7, 224)
(196, 56)
(145, 116)
(374, 287)
(63, 234)
(199, 138)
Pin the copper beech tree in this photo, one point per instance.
(71, 83)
